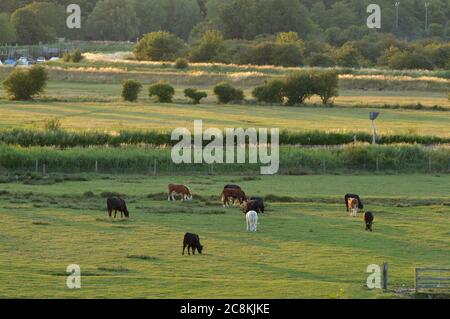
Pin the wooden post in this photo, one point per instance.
(96, 167)
(378, 164)
(43, 169)
(154, 168)
(429, 164)
(385, 275)
(37, 166)
(416, 281)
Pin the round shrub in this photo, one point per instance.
(298, 87)
(325, 84)
(162, 90)
(271, 92)
(181, 64)
(131, 90)
(158, 46)
(226, 93)
(24, 84)
(195, 95)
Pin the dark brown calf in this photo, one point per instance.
(368, 220)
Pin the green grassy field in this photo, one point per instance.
(306, 245)
(97, 106)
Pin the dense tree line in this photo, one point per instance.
(317, 33)
(333, 21)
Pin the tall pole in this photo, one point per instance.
(374, 138)
(397, 4)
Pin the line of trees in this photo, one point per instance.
(288, 49)
(293, 89)
(336, 22)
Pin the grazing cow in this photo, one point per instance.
(368, 220)
(260, 201)
(179, 189)
(192, 241)
(252, 220)
(347, 196)
(232, 186)
(255, 205)
(353, 204)
(234, 194)
(117, 204)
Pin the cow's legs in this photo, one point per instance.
(115, 213)
(168, 198)
(184, 246)
(193, 250)
(109, 212)
(189, 250)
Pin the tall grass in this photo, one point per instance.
(355, 158)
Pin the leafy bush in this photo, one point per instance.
(24, 84)
(162, 90)
(269, 53)
(320, 60)
(74, 56)
(210, 46)
(348, 56)
(325, 84)
(298, 87)
(181, 64)
(195, 95)
(271, 92)
(158, 46)
(409, 60)
(226, 93)
(131, 90)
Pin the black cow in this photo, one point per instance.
(368, 219)
(347, 196)
(117, 204)
(192, 241)
(256, 205)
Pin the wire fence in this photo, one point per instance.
(155, 167)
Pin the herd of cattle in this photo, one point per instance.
(234, 194)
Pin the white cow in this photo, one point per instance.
(252, 220)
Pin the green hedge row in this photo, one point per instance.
(65, 139)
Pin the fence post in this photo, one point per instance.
(43, 169)
(154, 167)
(416, 280)
(385, 275)
(429, 164)
(37, 166)
(378, 164)
(96, 167)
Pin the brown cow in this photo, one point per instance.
(233, 193)
(179, 189)
(353, 205)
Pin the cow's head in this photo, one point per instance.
(200, 248)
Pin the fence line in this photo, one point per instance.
(156, 167)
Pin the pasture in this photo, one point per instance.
(306, 245)
(95, 106)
